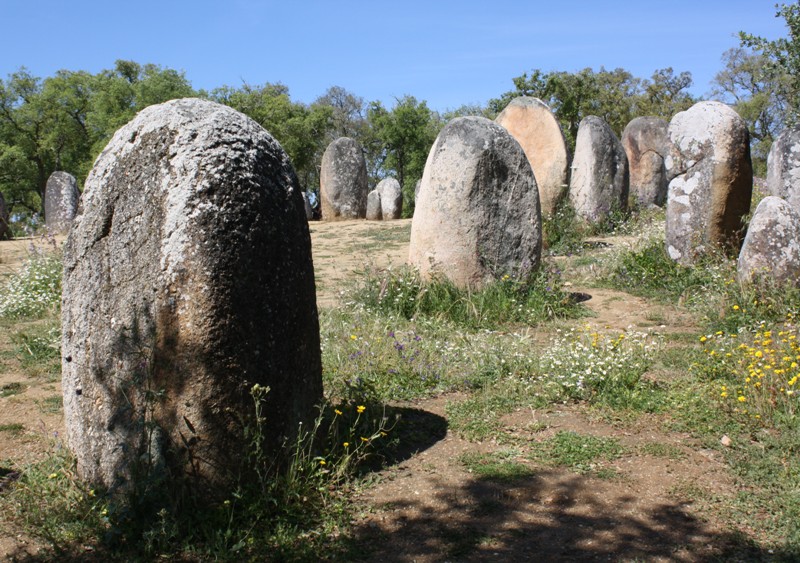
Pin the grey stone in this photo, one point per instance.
(5, 226)
(600, 182)
(532, 123)
(771, 249)
(477, 216)
(711, 181)
(187, 281)
(646, 144)
(391, 199)
(783, 167)
(343, 181)
(307, 207)
(61, 199)
(374, 210)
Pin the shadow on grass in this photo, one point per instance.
(548, 516)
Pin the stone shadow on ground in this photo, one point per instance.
(549, 515)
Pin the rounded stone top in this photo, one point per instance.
(528, 102)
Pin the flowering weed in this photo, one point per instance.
(34, 289)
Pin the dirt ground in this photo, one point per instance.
(429, 507)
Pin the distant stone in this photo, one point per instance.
(532, 123)
(61, 199)
(783, 167)
(187, 281)
(307, 207)
(374, 210)
(391, 199)
(771, 249)
(711, 180)
(343, 181)
(599, 183)
(416, 188)
(5, 226)
(646, 145)
(477, 216)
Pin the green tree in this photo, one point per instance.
(781, 64)
(404, 136)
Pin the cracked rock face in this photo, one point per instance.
(61, 199)
(187, 280)
(711, 180)
(343, 181)
(646, 144)
(477, 215)
(771, 249)
(599, 183)
(532, 123)
(783, 167)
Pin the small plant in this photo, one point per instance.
(588, 365)
(563, 232)
(9, 389)
(579, 452)
(34, 289)
(759, 371)
(14, 428)
(38, 348)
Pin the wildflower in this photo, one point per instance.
(346, 444)
(364, 439)
(52, 476)
(322, 462)
(338, 412)
(353, 337)
(361, 408)
(703, 339)
(735, 307)
(742, 399)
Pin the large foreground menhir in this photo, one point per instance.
(188, 279)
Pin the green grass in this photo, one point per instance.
(38, 348)
(10, 389)
(501, 467)
(13, 428)
(660, 449)
(581, 453)
(527, 300)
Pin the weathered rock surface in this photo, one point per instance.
(343, 181)
(374, 210)
(5, 227)
(711, 180)
(391, 199)
(61, 199)
(646, 145)
(771, 249)
(532, 123)
(783, 167)
(187, 280)
(600, 182)
(307, 207)
(477, 216)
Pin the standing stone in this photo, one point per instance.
(187, 280)
(646, 144)
(532, 123)
(771, 249)
(343, 181)
(61, 199)
(5, 226)
(307, 207)
(478, 216)
(711, 180)
(374, 211)
(599, 183)
(391, 199)
(783, 167)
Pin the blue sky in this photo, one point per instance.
(448, 53)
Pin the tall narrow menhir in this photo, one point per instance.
(187, 280)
